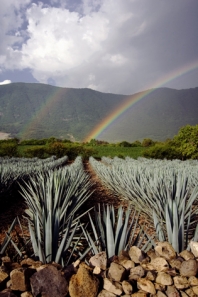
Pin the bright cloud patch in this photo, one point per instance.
(5, 82)
(112, 46)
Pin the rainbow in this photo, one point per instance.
(44, 111)
(115, 114)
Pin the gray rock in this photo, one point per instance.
(49, 282)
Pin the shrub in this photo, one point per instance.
(162, 151)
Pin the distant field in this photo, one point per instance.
(111, 151)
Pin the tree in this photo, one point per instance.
(187, 141)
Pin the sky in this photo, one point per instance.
(116, 46)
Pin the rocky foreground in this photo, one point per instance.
(159, 272)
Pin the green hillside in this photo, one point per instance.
(42, 111)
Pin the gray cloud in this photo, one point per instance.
(111, 46)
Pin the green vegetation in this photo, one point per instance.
(183, 146)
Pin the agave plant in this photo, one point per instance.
(174, 223)
(54, 200)
(116, 232)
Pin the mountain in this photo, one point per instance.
(41, 111)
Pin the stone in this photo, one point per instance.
(159, 264)
(164, 278)
(146, 285)
(188, 268)
(151, 254)
(127, 264)
(151, 275)
(20, 279)
(195, 289)
(176, 263)
(26, 294)
(105, 293)
(112, 287)
(83, 283)
(116, 272)
(139, 294)
(97, 270)
(194, 248)
(171, 291)
(7, 293)
(30, 263)
(49, 282)
(136, 272)
(160, 287)
(161, 294)
(183, 294)
(186, 255)
(3, 277)
(165, 250)
(190, 292)
(193, 281)
(99, 260)
(181, 282)
(136, 254)
(127, 287)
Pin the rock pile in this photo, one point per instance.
(160, 272)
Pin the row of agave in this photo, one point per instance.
(166, 191)
(17, 169)
(55, 215)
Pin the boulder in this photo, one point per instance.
(116, 272)
(136, 272)
(164, 278)
(188, 268)
(194, 248)
(159, 264)
(186, 255)
(7, 293)
(105, 293)
(165, 250)
(112, 287)
(49, 282)
(99, 260)
(137, 255)
(83, 283)
(181, 282)
(127, 287)
(146, 285)
(20, 279)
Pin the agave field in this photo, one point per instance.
(61, 227)
(165, 191)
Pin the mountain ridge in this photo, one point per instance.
(33, 110)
